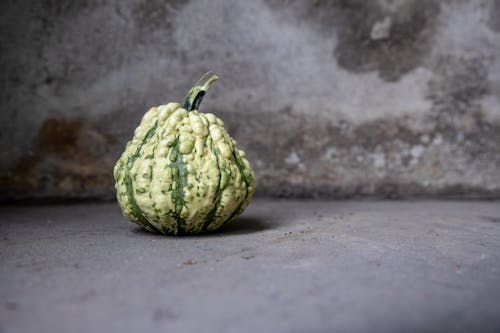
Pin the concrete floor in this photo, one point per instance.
(285, 266)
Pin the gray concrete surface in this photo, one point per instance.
(285, 266)
(329, 98)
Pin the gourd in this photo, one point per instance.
(182, 173)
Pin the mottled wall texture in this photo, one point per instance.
(384, 98)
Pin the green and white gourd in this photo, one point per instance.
(182, 173)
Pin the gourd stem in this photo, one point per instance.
(195, 95)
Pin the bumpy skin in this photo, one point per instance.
(182, 173)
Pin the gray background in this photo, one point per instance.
(328, 98)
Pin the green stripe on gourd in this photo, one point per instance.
(180, 181)
(182, 173)
(248, 179)
(136, 211)
(223, 178)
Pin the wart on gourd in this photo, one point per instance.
(194, 178)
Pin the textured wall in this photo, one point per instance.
(336, 98)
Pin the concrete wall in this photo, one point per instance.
(333, 98)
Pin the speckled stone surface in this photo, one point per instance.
(328, 98)
(284, 266)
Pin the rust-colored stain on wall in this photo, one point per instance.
(70, 156)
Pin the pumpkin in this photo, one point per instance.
(182, 173)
